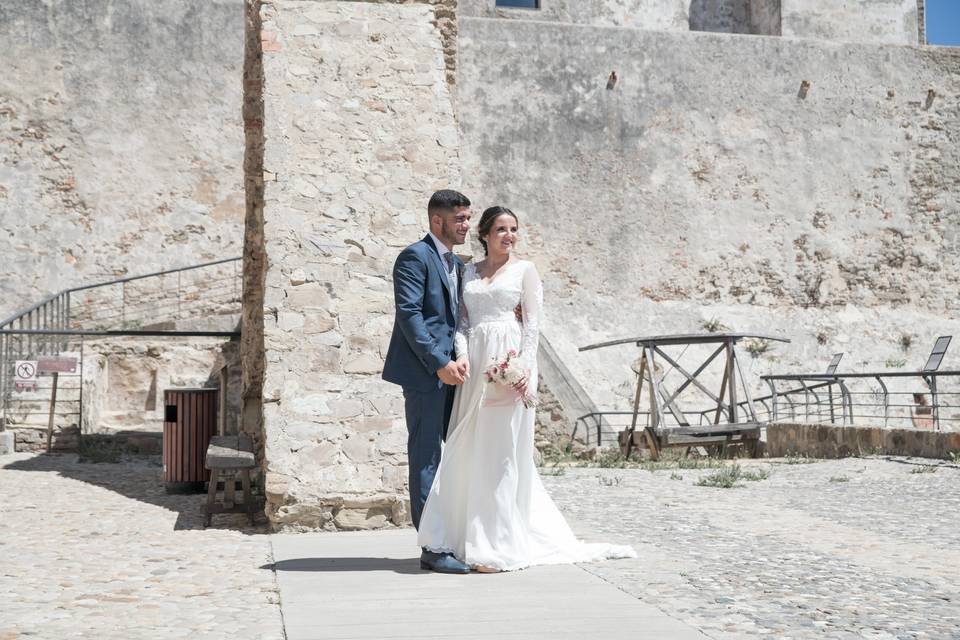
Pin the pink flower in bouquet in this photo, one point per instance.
(503, 374)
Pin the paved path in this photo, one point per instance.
(370, 585)
(101, 552)
(857, 548)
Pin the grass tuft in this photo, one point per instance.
(725, 478)
(924, 468)
(728, 477)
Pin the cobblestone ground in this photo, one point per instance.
(101, 551)
(856, 548)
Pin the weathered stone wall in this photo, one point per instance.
(359, 130)
(665, 15)
(827, 441)
(704, 187)
(886, 21)
(123, 381)
(879, 21)
(759, 17)
(121, 140)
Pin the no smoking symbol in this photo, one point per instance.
(26, 370)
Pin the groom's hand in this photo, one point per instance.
(450, 374)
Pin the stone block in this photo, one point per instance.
(365, 363)
(358, 519)
(6, 442)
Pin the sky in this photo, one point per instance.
(943, 22)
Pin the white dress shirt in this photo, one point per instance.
(442, 249)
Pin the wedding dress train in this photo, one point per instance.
(487, 505)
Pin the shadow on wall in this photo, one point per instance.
(756, 17)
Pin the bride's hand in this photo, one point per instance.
(521, 386)
(464, 365)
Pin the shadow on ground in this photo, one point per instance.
(138, 478)
(397, 565)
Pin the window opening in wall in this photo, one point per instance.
(757, 17)
(525, 4)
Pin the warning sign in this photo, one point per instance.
(56, 364)
(25, 375)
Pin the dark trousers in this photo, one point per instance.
(427, 416)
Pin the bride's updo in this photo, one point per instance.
(487, 219)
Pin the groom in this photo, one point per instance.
(421, 358)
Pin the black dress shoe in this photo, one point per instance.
(442, 563)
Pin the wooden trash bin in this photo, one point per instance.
(189, 421)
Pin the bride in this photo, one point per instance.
(487, 505)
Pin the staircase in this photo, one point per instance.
(131, 338)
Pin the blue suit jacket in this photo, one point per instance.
(422, 340)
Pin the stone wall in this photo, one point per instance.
(359, 131)
(759, 17)
(879, 21)
(121, 139)
(640, 14)
(827, 441)
(123, 381)
(801, 188)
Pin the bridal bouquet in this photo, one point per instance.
(507, 374)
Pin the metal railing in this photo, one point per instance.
(128, 306)
(923, 399)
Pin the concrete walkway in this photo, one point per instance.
(370, 585)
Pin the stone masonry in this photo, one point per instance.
(121, 140)
(359, 131)
(722, 190)
(798, 186)
(877, 21)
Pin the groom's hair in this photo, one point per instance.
(446, 200)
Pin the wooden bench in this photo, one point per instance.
(227, 457)
(717, 436)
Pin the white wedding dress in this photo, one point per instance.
(487, 505)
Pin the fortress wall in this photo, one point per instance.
(878, 21)
(667, 15)
(121, 140)
(359, 131)
(703, 186)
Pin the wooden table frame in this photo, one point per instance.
(662, 401)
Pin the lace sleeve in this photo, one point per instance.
(531, 303)
(462, 336)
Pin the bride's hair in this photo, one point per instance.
(487, 220)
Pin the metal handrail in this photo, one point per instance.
(838, 376)
(44, 327)
(155, 274)
(882, 396)
(108, 283)
(144, 333)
